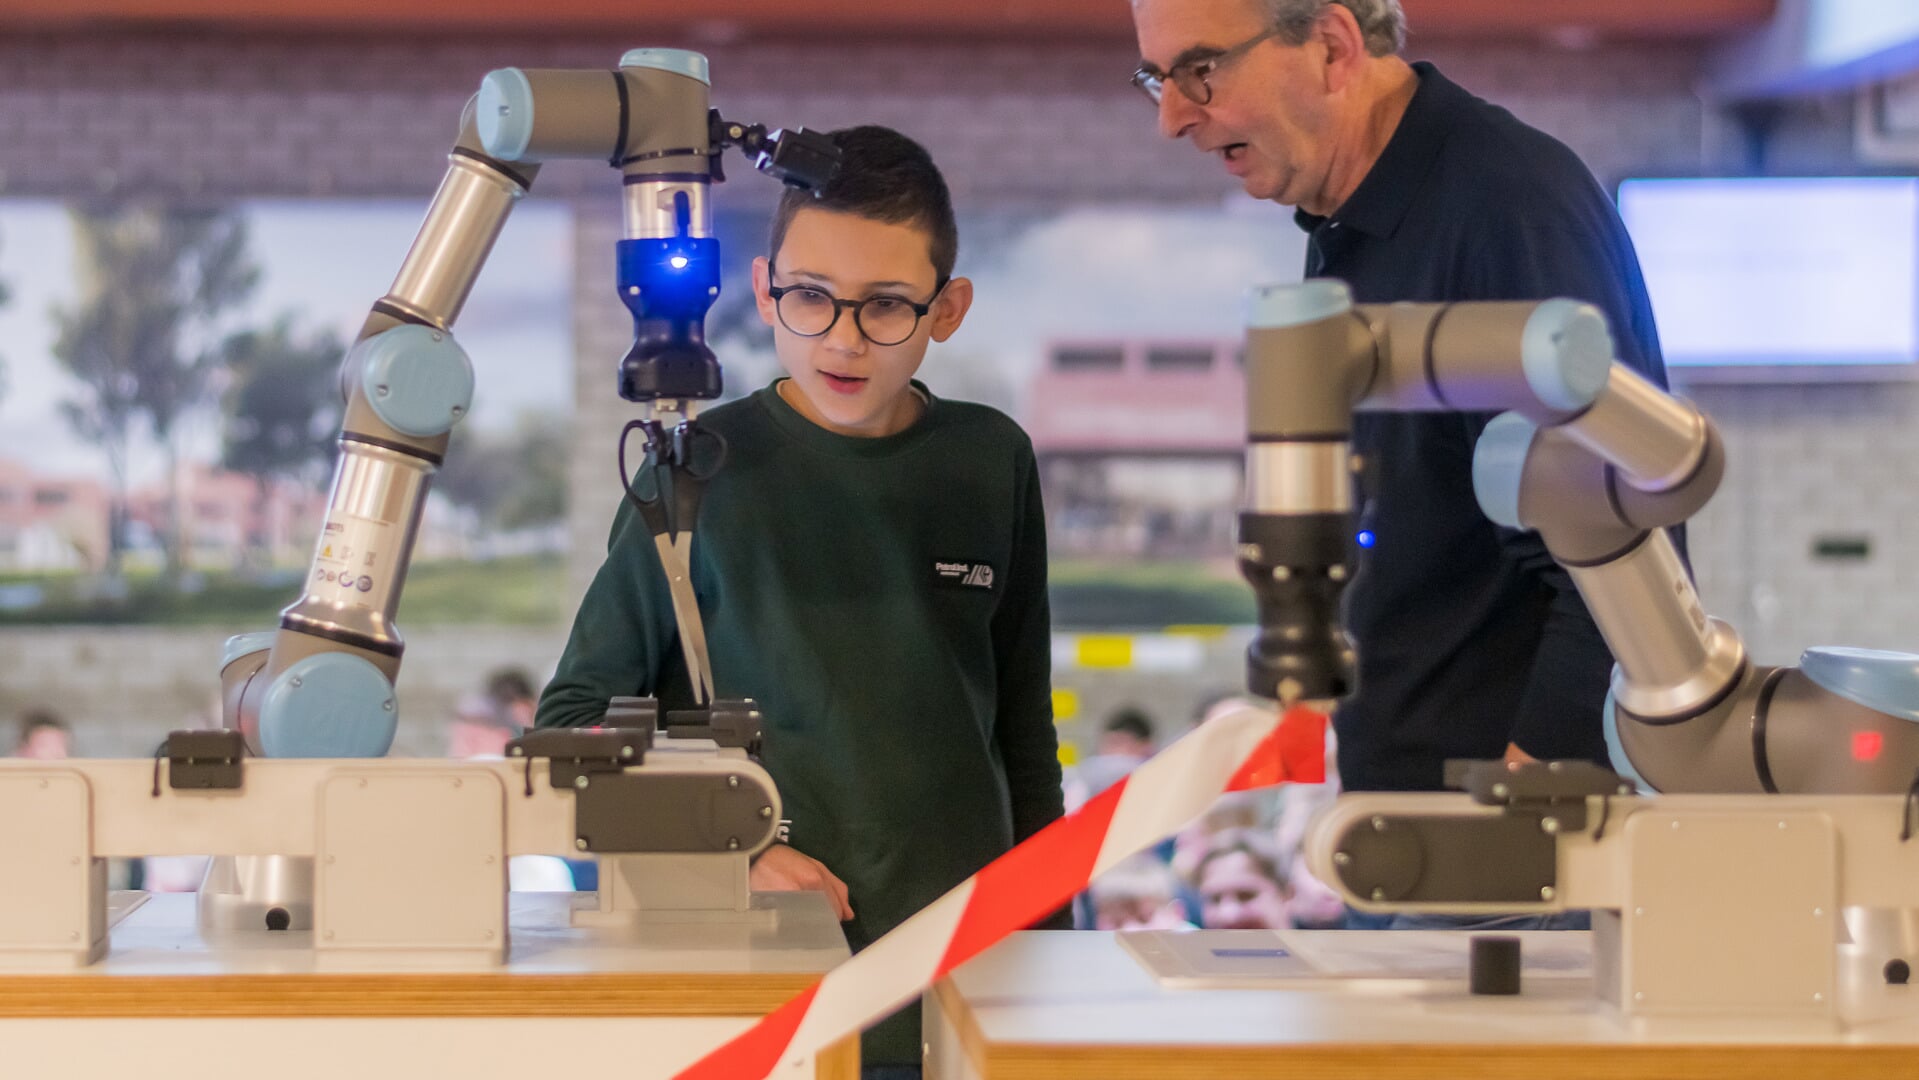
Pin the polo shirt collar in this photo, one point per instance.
(1382, 199)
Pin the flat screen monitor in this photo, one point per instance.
(1794, 277)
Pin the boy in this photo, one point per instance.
(871, 568)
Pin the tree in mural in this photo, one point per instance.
(143, 339)
(513, 480)
(281, 410)
(538, 494)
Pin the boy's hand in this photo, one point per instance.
(782, 869)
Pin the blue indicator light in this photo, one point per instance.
(1365, 538)
(677, 262)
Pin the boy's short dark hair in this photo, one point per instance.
(35, 719)
(506, 685)
(884, 176)
(1130, 721)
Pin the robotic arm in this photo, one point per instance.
(322, 685)
(1599, 461)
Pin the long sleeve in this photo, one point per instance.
(1022, 642)
(623, 635)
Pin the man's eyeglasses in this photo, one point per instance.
(810, 311)
(1193, 77)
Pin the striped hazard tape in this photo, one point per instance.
(1237, 750)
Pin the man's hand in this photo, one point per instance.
(782, 869)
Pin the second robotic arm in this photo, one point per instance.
(1599, 461)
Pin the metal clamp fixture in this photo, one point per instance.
(729, 722)
(201, 760)
(801, 158)
(574, 754)
(1542, 791)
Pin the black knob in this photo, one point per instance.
(1898, 971)
(278, 918)
(1493, 965)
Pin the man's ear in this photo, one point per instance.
(1337, 31)
(762, 281)
(950, 307)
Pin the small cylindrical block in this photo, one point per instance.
(1493, 965)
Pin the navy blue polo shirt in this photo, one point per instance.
(1469, 636)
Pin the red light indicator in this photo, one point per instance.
(1866, 745)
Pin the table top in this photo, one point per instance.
(1065, 1005)
(161, 964)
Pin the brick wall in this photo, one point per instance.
(1030, 127)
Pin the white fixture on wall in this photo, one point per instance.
(1886, 122)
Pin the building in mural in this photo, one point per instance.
(1141, 444)
(50, 524)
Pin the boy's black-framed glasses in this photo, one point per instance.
(1193, 77)
(883, 319)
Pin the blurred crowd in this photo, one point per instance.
(1238, 867)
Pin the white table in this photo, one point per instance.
(167, 1002)
(1073, 1005)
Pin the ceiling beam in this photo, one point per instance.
(1433, 19)
(1818, 47)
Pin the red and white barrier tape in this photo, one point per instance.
(1238, 750)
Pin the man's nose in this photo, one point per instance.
(1177, 113)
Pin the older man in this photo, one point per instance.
(1472, 643)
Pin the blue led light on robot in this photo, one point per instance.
(1366, 538)
(677, 262)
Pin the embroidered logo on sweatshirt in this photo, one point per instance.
(964, 573)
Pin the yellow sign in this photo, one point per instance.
(1106, 651)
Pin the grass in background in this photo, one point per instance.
(524, 590)
(518, 591)
(1115, 594)
(1103, 594)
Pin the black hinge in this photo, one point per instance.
(203, 760)
(575, 752)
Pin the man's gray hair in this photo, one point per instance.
(1381, 21)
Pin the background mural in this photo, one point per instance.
(168, 418)
(166, 434)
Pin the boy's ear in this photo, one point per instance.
(951, 307)
(762, 281)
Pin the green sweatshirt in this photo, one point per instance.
(884, 601)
